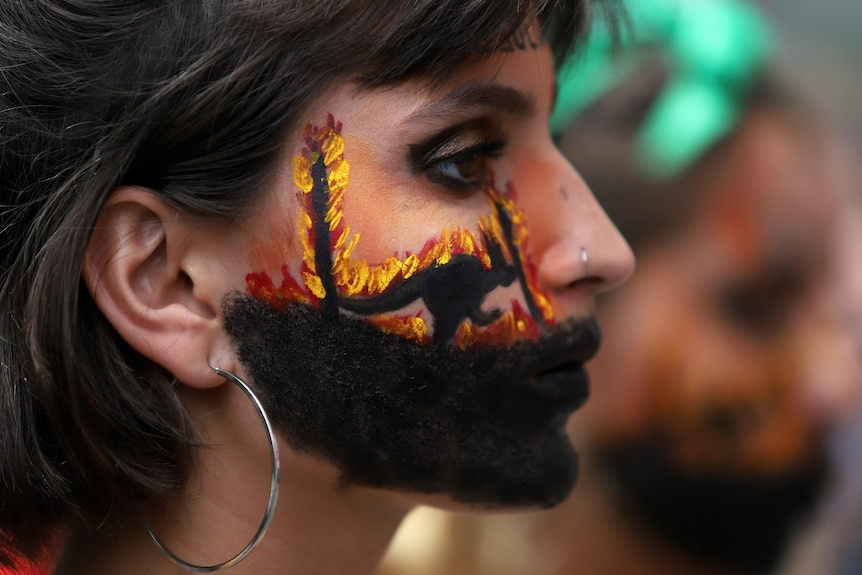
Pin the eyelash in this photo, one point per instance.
(483, 150)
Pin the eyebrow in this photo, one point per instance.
(470, 97)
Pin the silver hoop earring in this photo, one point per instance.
(273, 492)
(585, 260)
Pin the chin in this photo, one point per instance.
(739, 522)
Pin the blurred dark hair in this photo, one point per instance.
(600, 143)
(190, 99)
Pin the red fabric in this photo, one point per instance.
(43, 565)
(28, 568)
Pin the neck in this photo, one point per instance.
(320, 526)
(327, 528)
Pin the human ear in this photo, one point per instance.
(149, 269)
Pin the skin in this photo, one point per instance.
(169, 284)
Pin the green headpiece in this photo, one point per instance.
(714, 48)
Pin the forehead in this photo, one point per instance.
(523, 73)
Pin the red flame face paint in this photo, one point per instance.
(451, 274)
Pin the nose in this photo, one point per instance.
(825, 344)
(577, 251)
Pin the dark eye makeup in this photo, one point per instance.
(457, 158)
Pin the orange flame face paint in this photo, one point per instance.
(451, 274)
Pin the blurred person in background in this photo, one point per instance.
(728, 358)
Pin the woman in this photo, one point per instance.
(353, 208)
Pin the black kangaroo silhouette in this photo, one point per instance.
(452, 292)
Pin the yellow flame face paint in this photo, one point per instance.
(321, 174)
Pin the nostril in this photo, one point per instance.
(591, 282)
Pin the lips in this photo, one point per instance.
(567, 383)
(560, 373)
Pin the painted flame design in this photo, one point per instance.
(357, 278)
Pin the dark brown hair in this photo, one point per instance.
(600, 143)
(190, 99)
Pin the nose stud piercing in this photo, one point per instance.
(585, 260)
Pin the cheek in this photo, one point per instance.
(272, 229)
(394, 212)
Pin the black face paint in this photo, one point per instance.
(564, 193)
(484, 425)
(738, 522)
(453, 292)
(322, 249)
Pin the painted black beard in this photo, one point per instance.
(484, 426)
(741, 523)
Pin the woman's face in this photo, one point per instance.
(419, 285)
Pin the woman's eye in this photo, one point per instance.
(462, 164)
(468, 168)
